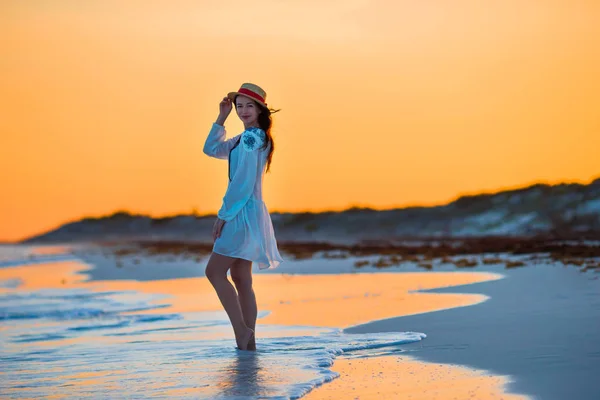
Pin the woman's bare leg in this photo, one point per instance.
(241, 274)
(216, 272)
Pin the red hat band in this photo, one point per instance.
(250, 93)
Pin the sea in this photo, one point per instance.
(79, 343)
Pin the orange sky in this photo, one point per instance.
(105, 106)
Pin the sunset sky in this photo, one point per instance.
(105, 105)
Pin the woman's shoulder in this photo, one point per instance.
(253, 138)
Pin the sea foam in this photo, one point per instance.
(79, 343)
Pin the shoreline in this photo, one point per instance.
(178, 274)
(539, 326)
(367, 298)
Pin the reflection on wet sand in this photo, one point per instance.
(311, 300)
(242, 376)
(393, 377)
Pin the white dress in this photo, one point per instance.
(248, 230)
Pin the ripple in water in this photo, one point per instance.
(79, 343)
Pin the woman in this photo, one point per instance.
(243, 232)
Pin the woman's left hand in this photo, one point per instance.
(218, 228)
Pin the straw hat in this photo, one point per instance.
(251, 91)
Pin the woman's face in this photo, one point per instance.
(248, 110)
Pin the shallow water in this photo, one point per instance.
(79, 343)
(14, 255)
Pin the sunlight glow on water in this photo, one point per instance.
(78, 343)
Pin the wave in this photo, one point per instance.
(52, 339)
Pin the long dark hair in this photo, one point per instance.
(265, 122)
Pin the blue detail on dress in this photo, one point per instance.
(253, 138)
(248, 230)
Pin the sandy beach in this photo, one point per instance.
(426, 170)
(360, 316)
(401, 377)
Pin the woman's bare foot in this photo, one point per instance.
(246, 340)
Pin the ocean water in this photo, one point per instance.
(14, 255)
(80, 343)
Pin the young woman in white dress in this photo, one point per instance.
(243, 232)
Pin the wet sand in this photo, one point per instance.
(324, 300)
(540, 326)
(401, 377)
(338, 301)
